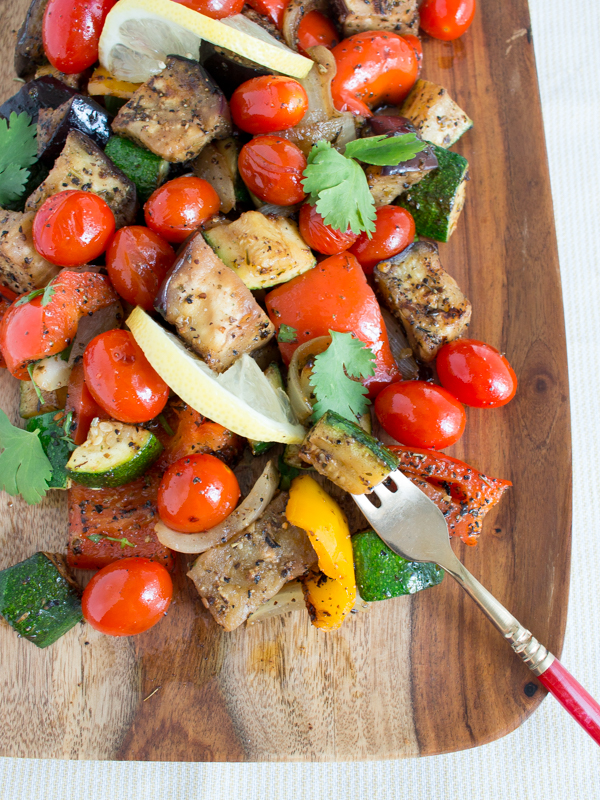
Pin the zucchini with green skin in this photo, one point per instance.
(55, 444)
(39, 599)
(113, 454)
(437, 201)
(381, 573)
(147, 170)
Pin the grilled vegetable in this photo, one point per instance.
(29, 50)
(344, 453)
(381, 573)
(39, 598)
(55, 444)
(273, 375)
(437, 200)
(176, 113)
(41, 93)
(228, 69)
(77, 114)
(145, 169)
(263, 251)
(424, 298)
(22, 269)
(30, 404)
(76, 80)
(104, 84)
(218, 164)
(82, 165)
(211, 308)
(435, 115)
(400, 16)
(193, 434)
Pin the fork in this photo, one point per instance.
(414, 528)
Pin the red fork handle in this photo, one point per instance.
(572, 696)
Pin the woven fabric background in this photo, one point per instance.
(549, 756)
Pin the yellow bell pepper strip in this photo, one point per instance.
(102, 82)
(330, 596)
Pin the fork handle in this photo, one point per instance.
(572, 696)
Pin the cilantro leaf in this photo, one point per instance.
(385, 150)
(18, 150)
(12, 183)
(47, 295)
(332, 373)
(287, 334)
(98, 537)
(24, 467)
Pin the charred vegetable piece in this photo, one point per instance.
(399, 16)
(41, 93)
(145, 169)
(424, 298)
(435, 115)
(105, 84)
(29, 50)
(76, 80)
(77, 114)
(228, 69)
(235, 578)
(22, 269)
(193, 434)
(211, 307)
(437, 201)
(55, 444)
(39, 598)
(342, 451)
(214, 166)
(176, 113)
(30, 404)
(275, 378)
(381, 573)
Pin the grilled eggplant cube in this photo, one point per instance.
(39, 598)
(83, 165)
(342, 451)
(77, 114)
(424, 298)
(176, 112)
(263, 251)
(29, 50)
(22, 268)
(399, 16)
(436, 201)
(435, 115)
(40, 93)
(147, 170)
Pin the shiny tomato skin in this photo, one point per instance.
(320, 237)
(476, 373)
(420, 414)
(373, 68)
(272, 9)
(417, 46)
(447, 19)
(394, 231)
(178, 207)
(127, 597)
(71, 30)
(196, 493)
(268, 103)
(215, 9)
(121, 380)
(81, 405)
(137, 261)
(72, 228)
(272, 167)
(316, 29)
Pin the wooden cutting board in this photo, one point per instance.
(413, 676)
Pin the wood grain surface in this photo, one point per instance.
(413, 676)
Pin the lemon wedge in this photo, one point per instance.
(232, 399)
(138, 35)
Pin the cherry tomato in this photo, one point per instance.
(320, 237)
(420, 414)
(372, 68)
(417, 46)
(73, 228)
(121, 380)
(272, 167)
(447, 19)
(127, 597)
(215, 9)
(394, 231)
(268, 103)
(196, 493)
(71, 31)
(137, 260)
(272, 9)
(477, 374)
(178, 207)
(315, 29)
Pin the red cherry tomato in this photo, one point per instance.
(417, 46)
(127, 597)
(121, 380)
(268, 103)
(372, 68)
(477, 374)
(73, 228)
(320, 237)
(447, 19)
(178, 207)
(272, 9)
(315, 29)
(420, 414)
(137, 261)
(394, 231)
(196, 493)
(71, 31)
(216, 9)
(272, 169)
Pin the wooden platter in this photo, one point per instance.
(413, 676)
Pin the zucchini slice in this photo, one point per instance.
(145, 169)
(435, 115)
(55, 444)
(381, 573)
(113, 454)
(347, 455)
(39, 599)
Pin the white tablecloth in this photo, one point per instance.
(549, 756)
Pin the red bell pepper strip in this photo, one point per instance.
(4, 306)
(81, 405)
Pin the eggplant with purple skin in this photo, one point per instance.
(386, 183)
(77, 114)
(227, 68)
(44, 92)
(29, 50)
